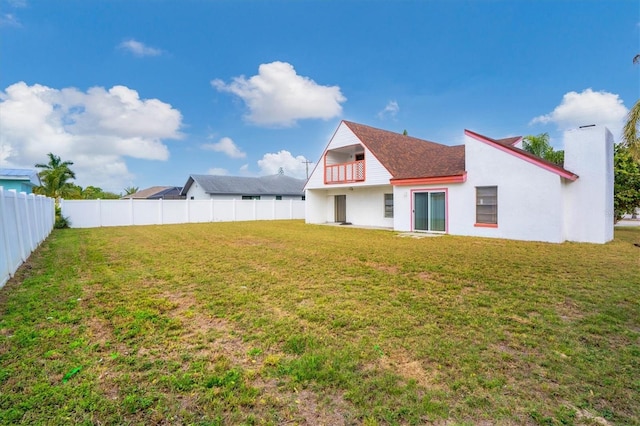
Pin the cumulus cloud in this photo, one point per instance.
(278, 96)
(139, 49)
(9, 20)
(95, 129)
(226, 146)
(293, 166)
(390, 110)
(217, 171)
(587, 107)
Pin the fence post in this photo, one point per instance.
(161, 212)
(5, 241)
(234, 210)
(133, 222)
(16, 210)
(188, 210)
(211, 211)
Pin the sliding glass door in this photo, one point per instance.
(429, 211)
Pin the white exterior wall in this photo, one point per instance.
(375, 173)
(196, 192)
(589, 200)
(530, 203)
(365, 205)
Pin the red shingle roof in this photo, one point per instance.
(406, 157)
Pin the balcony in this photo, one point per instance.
(353, 171)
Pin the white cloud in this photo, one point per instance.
(226, 146)
(390, 110)
(278, 96)
(588, 107)
(9, 20)
(139, 49)
(94, 129)
(292, 166)
(217, 171)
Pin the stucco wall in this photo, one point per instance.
(529, 198)
(589, 210)
(364, 205)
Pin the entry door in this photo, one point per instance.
(429, 211)
(340, 208)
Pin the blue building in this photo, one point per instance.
(22, 180)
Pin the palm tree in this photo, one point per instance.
(539, 145)
(131, 190)
(55, 176)
(630, 132)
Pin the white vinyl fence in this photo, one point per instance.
(97, 213)
(25, 222)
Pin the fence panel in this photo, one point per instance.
(25, 221)
(98, 213)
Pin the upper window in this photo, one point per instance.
(487, 205)
(388, 205)
(250, 197)
(278, 197)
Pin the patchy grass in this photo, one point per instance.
(286, 323)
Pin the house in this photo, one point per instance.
(157, 193)
(486, 187)
(22, 180)
(274, 187)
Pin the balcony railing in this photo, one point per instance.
(344, 172)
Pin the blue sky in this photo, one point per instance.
(143, 93)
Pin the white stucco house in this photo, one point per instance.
(273, 187)
(486, 187)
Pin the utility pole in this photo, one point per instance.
(306, 163)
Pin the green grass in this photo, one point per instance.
(286, 323)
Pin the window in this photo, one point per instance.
(388, 205)
(278, 197)
(250, 197)
(304, 197)
(487, 205)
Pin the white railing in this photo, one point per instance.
(97, 213)
(25, 221)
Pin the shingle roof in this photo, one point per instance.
(241, 185)
(21, 174)
(406, 157)
(155, 192)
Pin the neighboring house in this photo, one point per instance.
(22, 180)
(274, 187)
(486, 187)
(157, 193)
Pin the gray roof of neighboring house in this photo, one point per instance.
(156, 192)
(240, 185)
(21, 174)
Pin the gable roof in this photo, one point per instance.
(242, 185)
(524, 155)
(21, 175)
(406, 157)
(156, 192)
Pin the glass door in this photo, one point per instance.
(429, 211)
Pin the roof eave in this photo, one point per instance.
(430, 180)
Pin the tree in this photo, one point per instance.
(630, 132)
(131, 190)
(539, 145)
(626, 187)
(55, 176)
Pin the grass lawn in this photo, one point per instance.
(287, 323)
